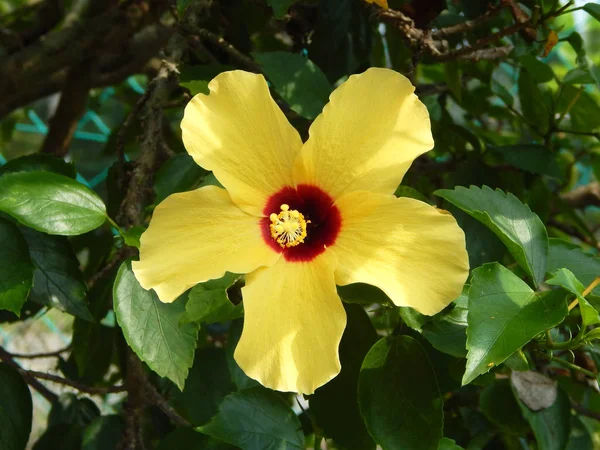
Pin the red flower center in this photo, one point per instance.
(323, 221)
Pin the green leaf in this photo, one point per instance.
(504, 315)
(178, 174)
(448, 444)
(16, 268)
(71, 410)
(196, 78)
(15, 410)
(552, 425)
(539, 71)
(399, 396)
(452, 73)
(256, 419)
(593, 9)
(578, 76)
(517, 361)
(503, 93)
(580, 438)
(297, 80)
(568, 281)
(188, 439)
(584, 266)
(280, 7)
(513, 222)
(447, 332)
(362, 293)
(151, 328)
(241, 380)
(335, 405)
(407, 191)
(132, 236)
(104, 433)
(69, 437)
(51, 203)
(57, 280)
(531, 158)
(499, 405)
(209, 303)
(206, 386)
(533, 103)
(37, 162)
(583, 110)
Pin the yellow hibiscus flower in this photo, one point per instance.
(299, 218)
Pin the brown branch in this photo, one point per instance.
(70, 109)
(52, 354)
(31, 381)
(155, 398)
(583, 196)
(121, 255)
(468, 25)
(74, 384)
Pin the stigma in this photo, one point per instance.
(288, 227)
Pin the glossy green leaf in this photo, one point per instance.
(335, 405)
(566, 279)
(37, 162)
(503, 93)
(407, 191)
(297, 80)
(51, 203)
(399, 397)
(539, 71)
(206, 386)
(16, 268)
(69, 437)
(15, 410)
(132, 236)
(447, 332)
(256, 419)
(584, 266)
(208, 302)
(593, 9)
(178, 174)
(104, 433)
(580, 438)
(505, 314)
(152, 329)
(57, 280)
(552, 425)
(72, 410)
(453, 81)
(513, 222)
(280, 7)
(499, 405)
(531, 158)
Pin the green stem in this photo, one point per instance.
(115, 226)
(569, 365)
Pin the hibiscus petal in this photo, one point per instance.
(240, 133)
(367, 136)
(293, 324)
(410, 250)
(197, 236)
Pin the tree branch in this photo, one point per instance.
(53, 354)
(583, 196)
(31, 381)
(79, 386)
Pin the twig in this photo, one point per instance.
(121, 255)
(243, 60)
(585, 412)
(158, 400)
(583, 196)
(31, 381)
(39, 355)
(569, 365)
(80, 387)
(467, 25)
(70, 109)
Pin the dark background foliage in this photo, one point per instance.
(91, 96)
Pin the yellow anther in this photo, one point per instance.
(288, 228)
